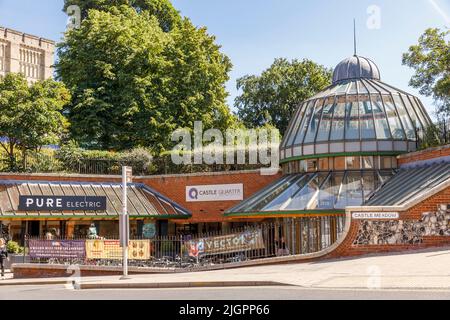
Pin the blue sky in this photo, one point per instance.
(255, 32)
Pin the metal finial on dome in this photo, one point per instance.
(354, 35)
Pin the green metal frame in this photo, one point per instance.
(177, 217)
(342, 154)
(296, 212)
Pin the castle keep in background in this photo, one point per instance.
(27, 54)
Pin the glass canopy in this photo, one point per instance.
(319, 191)
(357, 115)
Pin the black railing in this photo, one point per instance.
(287, 238)
(49, 163)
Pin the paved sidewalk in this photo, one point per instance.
(419, 270)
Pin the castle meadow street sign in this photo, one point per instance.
(375, 215)
(62, 203)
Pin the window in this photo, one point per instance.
(352, 193)
(353, 163)
(303, 166)
(295, 127)
(352, 121)
(304, 125)
(311, 165)
(381, 125)
(368, 162)
(314, 123)
(386, 162)
(324, 164)
(394, 121)
(366, 118)
(415, 121)
(404, 117)
(330, 191)
(339, 163)
(279, 202)
(325, 123)
(337, 128)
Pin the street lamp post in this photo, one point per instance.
(124, 224)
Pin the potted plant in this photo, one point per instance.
(15, 254)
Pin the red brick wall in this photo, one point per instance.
(415, 213)
(174, 187)
(25, 272)
(427, 154)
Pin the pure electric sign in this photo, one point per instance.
(62, 203)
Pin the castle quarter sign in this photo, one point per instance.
(62, 203)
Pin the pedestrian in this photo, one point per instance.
(282, 249)
(3, 256)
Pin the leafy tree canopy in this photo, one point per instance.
(134, 84)
(273, 96)
(430, 59)
(163, 10)
(30, 116)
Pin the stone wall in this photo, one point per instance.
(23, 53)
(424, 225)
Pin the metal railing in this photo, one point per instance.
(48, 163)
(286, 238)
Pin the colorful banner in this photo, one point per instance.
(110, 249)
(64, 249)
(238, 242)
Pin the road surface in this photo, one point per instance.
(59, 292)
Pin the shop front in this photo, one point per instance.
(59, 209)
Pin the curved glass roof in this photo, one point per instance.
(319, 191)
(350, 112)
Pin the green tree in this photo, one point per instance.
(30, 116)
(134, 84)
(273, 96)
(430, 59)
(163, 10)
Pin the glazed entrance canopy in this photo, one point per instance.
(358, 113)
(313, 193)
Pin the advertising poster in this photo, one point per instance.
(149, 230)
(110, 249)
(64, 249)
(245, 241)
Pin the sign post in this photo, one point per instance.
(124, 224)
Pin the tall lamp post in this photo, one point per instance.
(124, 224)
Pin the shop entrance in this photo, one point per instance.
(34, 228)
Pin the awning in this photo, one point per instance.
(143, 201)
(312, 194)
(410, 183)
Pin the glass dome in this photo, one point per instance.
(341, 145)
(356, 115)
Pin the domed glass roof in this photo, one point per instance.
(358, 113)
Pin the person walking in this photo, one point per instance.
(3, 256)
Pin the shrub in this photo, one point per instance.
(140, 159)
(14, 248)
